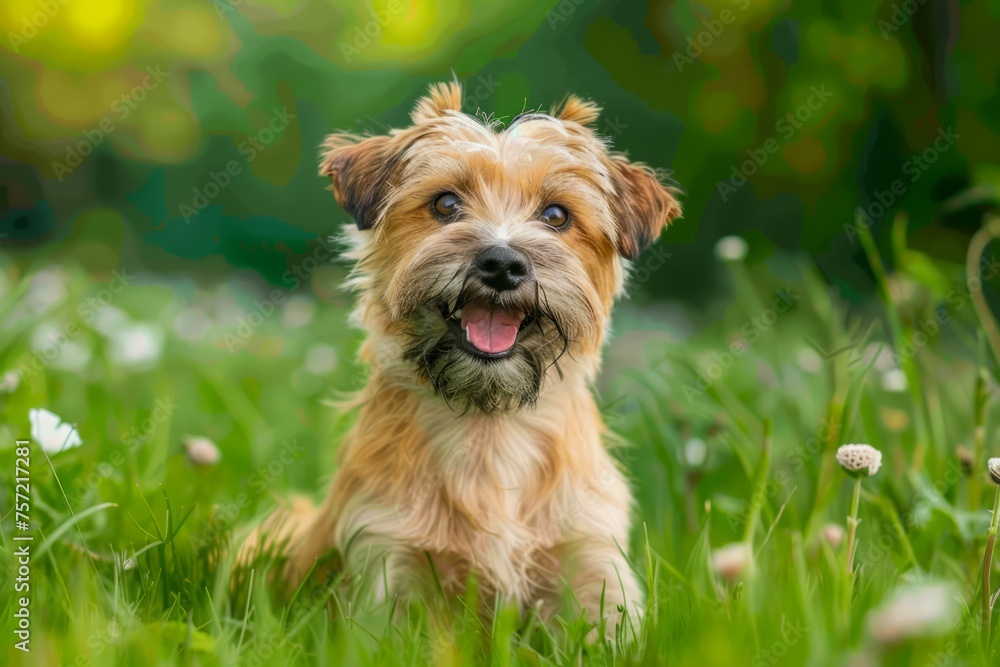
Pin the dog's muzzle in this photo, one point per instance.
(500, 267)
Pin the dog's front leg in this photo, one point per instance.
(378, 562)
(596, 568)
(594, 562)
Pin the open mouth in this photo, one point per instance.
(486, 329)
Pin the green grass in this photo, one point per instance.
(132, 552)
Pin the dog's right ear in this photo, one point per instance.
(441, 98)
(362, 172)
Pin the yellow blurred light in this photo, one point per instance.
(284, 7)
(167, 134)
(14, 14)
(805, 156)
(717, 109)
(191, 32)
(407, 23)
(71, 100)
(99, 25)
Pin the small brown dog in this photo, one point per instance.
(487, 263)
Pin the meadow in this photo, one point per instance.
(193, 410)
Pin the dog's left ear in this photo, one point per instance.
(362, 173)
(578, 110)
(642, 206)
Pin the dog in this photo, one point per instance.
(487, 259)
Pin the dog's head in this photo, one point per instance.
(488, 257)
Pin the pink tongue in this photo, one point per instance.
(490, 330)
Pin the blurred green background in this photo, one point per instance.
(158, 183)
(120, 118)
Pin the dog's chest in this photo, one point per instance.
(488, 518)
(487, 468)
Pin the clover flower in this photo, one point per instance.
(859, 460)
(993, 465)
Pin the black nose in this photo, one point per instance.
(501, 268)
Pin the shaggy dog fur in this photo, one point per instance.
(492, 466)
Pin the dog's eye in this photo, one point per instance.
(555, 216)
(446, 205)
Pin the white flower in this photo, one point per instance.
(192, 323)
(223, 307)
(73, 356)
(809, 361)
(859, 460)
(51, 433)
(201, 451)
(47, 289)
(993, 465)
(882, 356)
(10, 381)
(109, 320)
(919, 611)
(832, 534)
(894, 380)
(731, 560)
(321, 359)
(298, 312)
(731, 248)
(695, 452)
(137, 345)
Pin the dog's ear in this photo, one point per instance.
(642, 206)
(362, 172)
(441, 98)
(578, 110)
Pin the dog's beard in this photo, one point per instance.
(465, 379)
